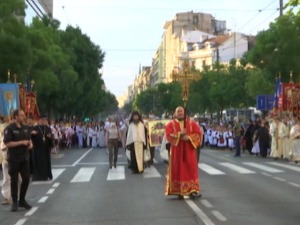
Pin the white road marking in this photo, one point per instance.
(206, 203)
(51, 190)
(262, 167)
(294, 184)
(84, 155)
(59, 166)
(155, 161)
(1, 183)
(100, 163)
(236, 168)
(43, 199)
(116, 173)
(151, 172)
(209, 169)
(83, 175)
(31, 211)
(266, 174)
(279, 179)
(56, 185)
(295, 168)
(219, 216)
(199, 212)
(21, 221)
(55, 173)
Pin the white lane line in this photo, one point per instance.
(116, 173)
(279, 179)
(262, 167)
(206, 203)
(55, 173)
(236, 168)
(100, 163)
(21, 222)
(199, 212)
(209, 169)
(43, 199)
(295, 168)
(266, 174)
(56, 185)
(219, 216)
(1, 183)
(59, 166)
(294, 184)
(155, 161)
(151, 172)
(31, 211)
(51, 190)
(83, 175)
(84, 155)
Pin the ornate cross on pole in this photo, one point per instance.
(185, 76)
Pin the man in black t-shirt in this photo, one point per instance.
(17, 140)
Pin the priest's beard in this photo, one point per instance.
(180, 119)
(136, 122)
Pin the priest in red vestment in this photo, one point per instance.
(182, 177)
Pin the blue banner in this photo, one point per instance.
(9, 98)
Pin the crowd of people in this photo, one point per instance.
(24, 140)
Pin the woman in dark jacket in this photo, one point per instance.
(264, 139)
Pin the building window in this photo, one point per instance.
(195, 20)
(204, 63)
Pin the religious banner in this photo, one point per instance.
(31, 108)
(9, 98)
(157, 131)
(290, 99)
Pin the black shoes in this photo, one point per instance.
(195, 195)
(24, 204)
(14, 207)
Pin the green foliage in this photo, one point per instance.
(63, 63)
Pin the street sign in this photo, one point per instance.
(265, 102)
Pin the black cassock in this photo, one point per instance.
(41, 155)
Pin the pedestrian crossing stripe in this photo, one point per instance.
(236, 168)
(116, 173)
(209, 169)
(151, 172)
(294, 168)
(263, 167)
(55, 174)
(83, 175)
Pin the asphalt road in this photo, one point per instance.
(236, 191)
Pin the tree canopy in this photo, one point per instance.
(64, 64)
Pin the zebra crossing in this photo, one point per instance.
(84, 173)
(247, 168)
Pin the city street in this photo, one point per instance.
(236, 191)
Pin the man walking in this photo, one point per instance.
(17, 140)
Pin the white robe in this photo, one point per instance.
(295, 143)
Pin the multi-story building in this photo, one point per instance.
(174, 29)
(221, 48)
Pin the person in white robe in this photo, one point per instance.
(283, 135)
(295, 142)
(101, 135)
(136, 142)
(94, 136)
(6, 193)
(276, 151)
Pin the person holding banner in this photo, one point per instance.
(184, 136)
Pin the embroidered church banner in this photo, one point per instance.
(9, 98)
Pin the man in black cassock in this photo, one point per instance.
(42, 143)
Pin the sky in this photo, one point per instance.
(130, 31)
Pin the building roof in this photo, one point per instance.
(195, 36)
(220, 39)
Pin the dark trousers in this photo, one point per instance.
(113, 148)
(14, 169)
(198, 149)
(237, 144)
